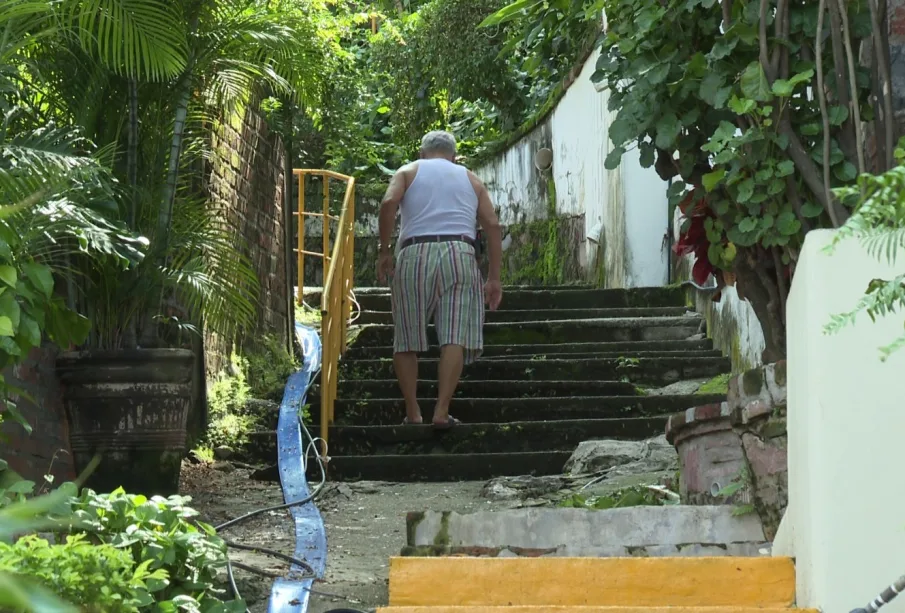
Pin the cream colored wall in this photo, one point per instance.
(846, 423)
(625, 210)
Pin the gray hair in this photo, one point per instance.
(439, 141)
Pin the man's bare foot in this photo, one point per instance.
(412, 422)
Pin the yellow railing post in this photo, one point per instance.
(326, 227)
(336, 298)
(301, 240)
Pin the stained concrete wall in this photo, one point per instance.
(731, 321)
(625, 211)
(844, 523)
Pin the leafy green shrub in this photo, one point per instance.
(268, 369)
(226, 399)
(161, 534)
(100, 578)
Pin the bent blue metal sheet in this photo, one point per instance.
(291, 593)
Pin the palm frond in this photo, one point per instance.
(210, 271)
(135, 38)
(42, 161)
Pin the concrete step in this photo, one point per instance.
(474, 438)
(616, 329)
(445, 467)
(519, 315)
(511, 437)
(614, 582)
(390, 411)
(643, 531)
(569, 355)
(366, 389)
(628, 349)
(653, 371)
(557, 297)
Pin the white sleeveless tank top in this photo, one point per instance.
(440, 200)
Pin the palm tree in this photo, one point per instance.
(148, 81)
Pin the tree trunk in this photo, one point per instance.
(759, 288)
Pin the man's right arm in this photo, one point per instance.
(490, 223)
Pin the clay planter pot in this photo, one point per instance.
(710, 454)
(131, 407)
(757, 400)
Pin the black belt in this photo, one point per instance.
(437, 238)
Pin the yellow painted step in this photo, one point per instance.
(549, 609)
(595, 582)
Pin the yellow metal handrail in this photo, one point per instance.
(336, 303)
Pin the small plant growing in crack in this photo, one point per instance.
(739, 483)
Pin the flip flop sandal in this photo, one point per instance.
(449, 423)
(406, 422)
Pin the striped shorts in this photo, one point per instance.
(439, 282)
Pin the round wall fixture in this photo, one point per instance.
(543, 159)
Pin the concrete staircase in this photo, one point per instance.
(591, 585)
(562, 365)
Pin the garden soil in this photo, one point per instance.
(365, 524)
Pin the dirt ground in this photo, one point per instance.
(365, 524)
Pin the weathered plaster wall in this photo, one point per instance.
(844, 521)
(625, 211)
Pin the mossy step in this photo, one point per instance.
(570, 355)
(390, 411)
(616, 329)
(476, 388)
(653, 371)
(444, 467)
(626, 349)
(519, 315)
(578, 297)
(467, 439)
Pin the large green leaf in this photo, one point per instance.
(754, 83)
(668, 128)
(20, 594)
(510, 12)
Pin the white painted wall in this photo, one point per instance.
(628, 205)
(845, 523)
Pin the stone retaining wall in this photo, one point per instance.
(246, 189)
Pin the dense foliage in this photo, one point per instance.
(427, 66)
(753, 111)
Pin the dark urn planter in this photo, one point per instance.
(131, 407)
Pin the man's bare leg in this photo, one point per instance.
(452, 357)
(406, 365)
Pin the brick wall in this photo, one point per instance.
(246, 185)
(46, 450)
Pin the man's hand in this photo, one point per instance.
(385, 266)
(493, 294)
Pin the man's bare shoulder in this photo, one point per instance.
(475, 180)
